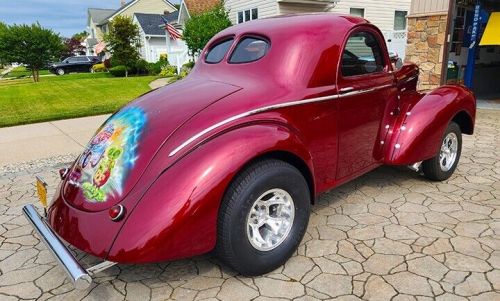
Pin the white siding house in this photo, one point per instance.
(388, 15)
(155, 41)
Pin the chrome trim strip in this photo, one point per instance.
(273, 107)
(346, 89)
(77, 274)
(249, 113)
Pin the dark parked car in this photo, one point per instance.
(74, 64)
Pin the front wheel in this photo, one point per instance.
(60, 71)
(263, 217)
(442, 166)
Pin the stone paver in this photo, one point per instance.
(389, 235)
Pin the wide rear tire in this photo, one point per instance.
(263, 217)
(443, 166)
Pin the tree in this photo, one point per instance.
(80, 36)
(123, 41)
(73, 46)
(3, 29)
(202, 27)
(31, 45)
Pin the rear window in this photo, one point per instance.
(217, 52)
(249, 50)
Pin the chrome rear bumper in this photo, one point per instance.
(76, 273)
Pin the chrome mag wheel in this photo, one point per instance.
(448, 153)
(270, 219)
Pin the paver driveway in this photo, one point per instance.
(389, 234)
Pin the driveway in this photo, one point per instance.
(387, 235)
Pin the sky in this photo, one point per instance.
(66, 17)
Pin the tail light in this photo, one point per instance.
(116, 213)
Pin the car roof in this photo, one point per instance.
(300, 45)
(285, 25)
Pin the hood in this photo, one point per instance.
(122, 148)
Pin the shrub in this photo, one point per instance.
(186, 68)
(168, 71)
(107, 63)
(141, 67)
(164, 58)
(184, 73)
(99, 68)
(155, 68)
(118, 71)
(188, 65)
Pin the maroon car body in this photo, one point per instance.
(292, 104)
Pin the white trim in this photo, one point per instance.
(183, 4)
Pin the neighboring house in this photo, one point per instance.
(189, 8)
(98, 19)
(155, 41)
(389, 16)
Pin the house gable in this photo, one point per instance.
(144, 6)
(183, 14)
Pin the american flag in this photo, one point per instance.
(174, 33)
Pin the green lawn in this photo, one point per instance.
(21, 71)
(68, 96)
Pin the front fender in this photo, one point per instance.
(177, 216)
(423, 120)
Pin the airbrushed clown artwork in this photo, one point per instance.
(110, 154)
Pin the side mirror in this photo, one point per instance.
(407, 76)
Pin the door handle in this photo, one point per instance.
(346, 90)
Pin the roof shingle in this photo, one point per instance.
(200, 6)
(151, 24)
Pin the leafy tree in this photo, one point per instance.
(73, 45)
(202, 27)
(31, 45)
(80, 36)
(3, 29)
(123, 41)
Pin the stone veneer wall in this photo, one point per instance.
(425, 46)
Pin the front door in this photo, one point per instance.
(365, 84)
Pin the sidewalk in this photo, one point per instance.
(42, 140)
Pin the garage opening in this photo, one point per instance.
(473, 52)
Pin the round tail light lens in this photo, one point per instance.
(116, 213)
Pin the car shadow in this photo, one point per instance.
(209, 266)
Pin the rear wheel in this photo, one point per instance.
(60, 71)
(444, 164)
(263, 217)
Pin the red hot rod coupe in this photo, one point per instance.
(231, 158)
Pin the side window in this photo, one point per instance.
(217, 52)
(400, 20)
(249, 50)
(362, 55)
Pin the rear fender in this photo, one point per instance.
(419, 128)
(177, 216)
